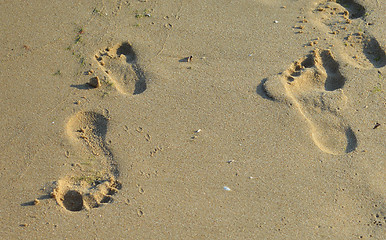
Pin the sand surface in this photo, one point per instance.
(232, 119)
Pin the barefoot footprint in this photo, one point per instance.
(96, 182)
(314, 85)
(119, 63)
(345, 20)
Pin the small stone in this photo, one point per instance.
(36, 201)
(94, 82)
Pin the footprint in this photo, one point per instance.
(95, 183)
(120, 65)
(345, 20)
(314, 85)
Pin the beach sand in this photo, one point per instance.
(199, 119)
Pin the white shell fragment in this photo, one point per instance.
(227, 188)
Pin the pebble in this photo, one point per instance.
(94, 82)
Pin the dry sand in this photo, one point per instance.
(274, 128)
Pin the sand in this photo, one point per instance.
(193, 119)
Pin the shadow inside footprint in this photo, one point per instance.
(374, 53)
(131, 58)
(127, 50)
(335, 79)
(120, 64)
(260, 90)
(355, 9)
(351, 140)
(89, 125)
(314, 85)
(73, 201)
(98, 122)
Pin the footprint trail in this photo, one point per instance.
(314, 85)
(93, 180)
